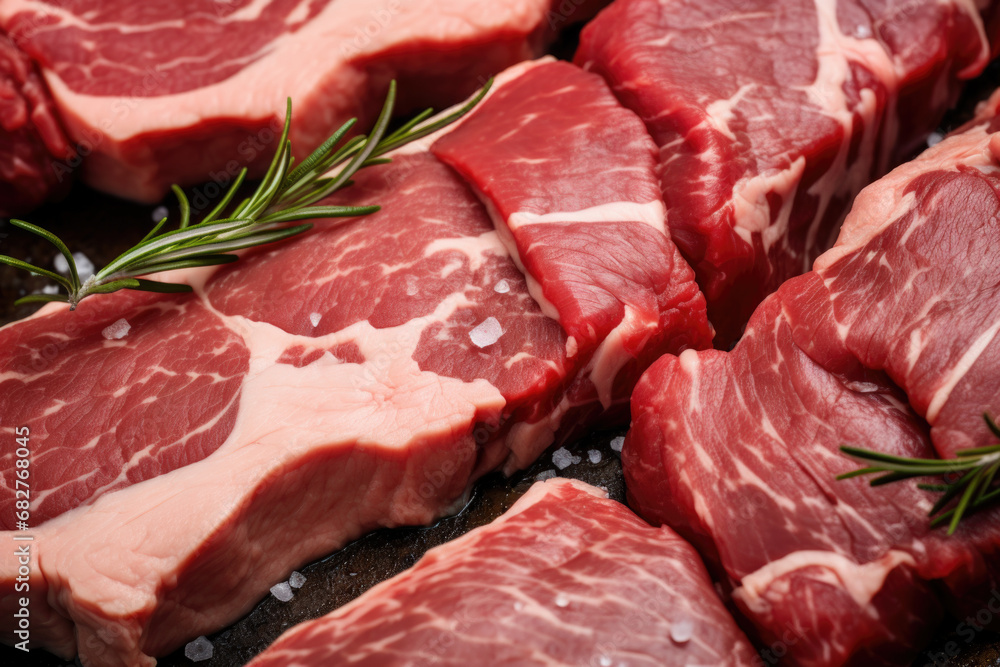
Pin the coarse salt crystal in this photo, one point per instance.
(198, 650)
(117, 330)
(594, 456)
(282, 591)
(544, 475)
(604, 661)
(486, 332)
(296, 580)
(618, 443)
(84, 267)
(315, 318)
(562, 458)
(518, 606)
(502, 287)
(682, 631)
(159, 213)
(562, 600)
(934, 138)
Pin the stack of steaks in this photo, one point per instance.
(563, 258)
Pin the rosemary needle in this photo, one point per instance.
(973, 471)
(287, 193)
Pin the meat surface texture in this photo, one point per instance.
(888, 345)
(565, 577)
(32, 141)
(190, 451)
(598, 259)
(189, 92)
(770, 117)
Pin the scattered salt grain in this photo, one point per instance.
(862, 32)
(594, 455)
(353, 574)
(486, 332)
(618, 443)
(562, 458)
(282, 591)
(682, 631)
(502, 287)
(547, 474)
(84, 267)
(50, 289)
(562, 600)
(296, 580)
(117, 330)
(199, 649)
(604, 661)
(315, 318)
(518, 606)
(159, 213)
(934, 138)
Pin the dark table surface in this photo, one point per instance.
(101, 227)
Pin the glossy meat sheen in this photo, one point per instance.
(31, 138)
(598, 258)
(739, 450)
(192, 91)
(311, 392)
(770, 117)
(565, 577)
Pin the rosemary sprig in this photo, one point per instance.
(974, 488)
(288, 193)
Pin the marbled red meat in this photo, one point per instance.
(887, 344)
(113, 412)
(598, 259)
(35, 157)
(565, 577)
(359, 376)
(192, 91)
(912, 286)
(770, 117)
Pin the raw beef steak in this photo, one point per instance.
(771, 116)
(31, 137)
(913, 284)
(598, 259)
(896, 327)
(565, 577)
(362, 375)
(163, 93)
